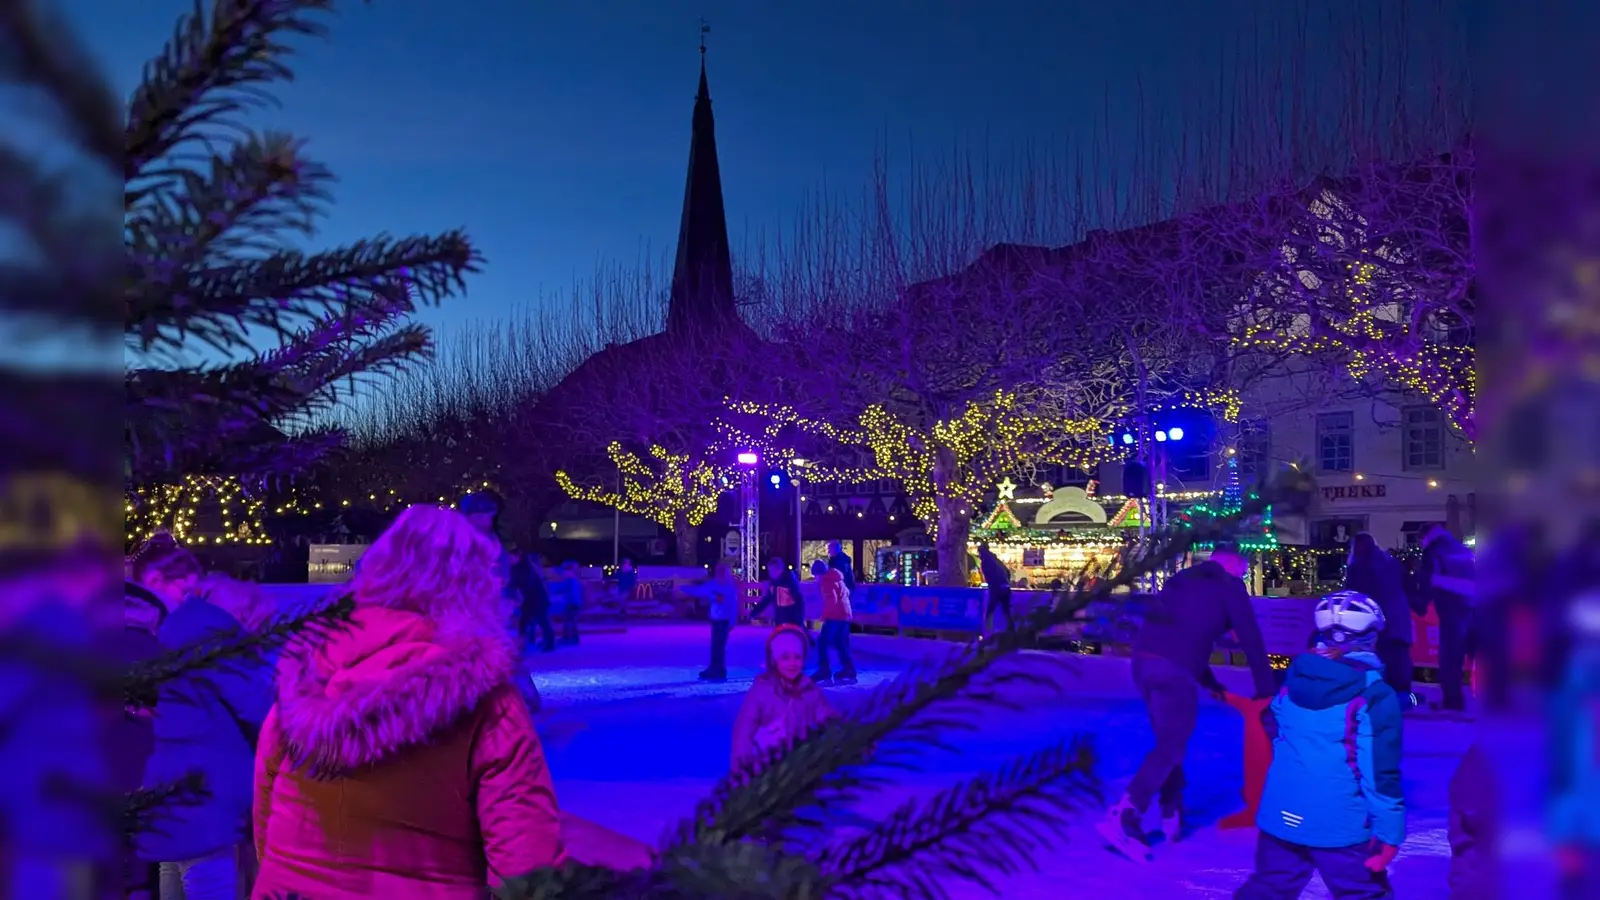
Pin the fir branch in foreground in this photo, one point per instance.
(141, 808)
(142, 683)
(988, 824)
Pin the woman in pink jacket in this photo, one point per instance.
(400, 760)
(783, 705)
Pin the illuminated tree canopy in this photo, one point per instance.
(668, 488)
(950, 464)
(1375, 276)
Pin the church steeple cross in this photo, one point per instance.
(705, 29)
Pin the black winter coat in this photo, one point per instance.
(1381, 577)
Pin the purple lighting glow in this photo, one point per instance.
(748, 458)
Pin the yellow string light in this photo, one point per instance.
(174, 508)
(667, 488)
(954, 462)
(1367, 338)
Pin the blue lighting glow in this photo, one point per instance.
(1176, 433)
(1127, 438)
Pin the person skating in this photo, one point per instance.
(782, 705)
(1171, 663)
(627, 581)
(1375, 573)
(721, 592)
(527, 576)
(998, 578)
(1445, 579)
(566, 600)
(783, 595)
(1333, 803)
(841, 560)
(835, 636)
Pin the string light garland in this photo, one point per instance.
(953, 463)
(177, 507)
(666, 488)
(1377, 346)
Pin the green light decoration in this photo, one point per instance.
(1233, 497)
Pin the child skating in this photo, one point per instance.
(835, 636)
(1332, 803)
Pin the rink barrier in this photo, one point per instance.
(1104, 628)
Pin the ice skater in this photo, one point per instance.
(783, 705)
(835, 636)
(1333, 803)
(1171, 662)
(783, 595)
(721, 592)
(998, 578)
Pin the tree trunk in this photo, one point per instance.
(954, 525)
(688, 542)
(951, 543)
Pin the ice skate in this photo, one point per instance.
(846, 678)
(1172, 825)
(822, 679)
(1123, 832)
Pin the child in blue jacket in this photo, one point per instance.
(1332, 802)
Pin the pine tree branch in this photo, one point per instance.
(993, 823)
(141, 684)
(213, 70)
(141, 809)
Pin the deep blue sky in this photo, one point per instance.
(557, 133)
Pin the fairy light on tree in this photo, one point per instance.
(202, 509)
(947, 468)
(675, 490)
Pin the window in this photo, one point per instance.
(1422, 446)
(1336, 445)
(1254, 450)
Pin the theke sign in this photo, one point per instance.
(1356, 492)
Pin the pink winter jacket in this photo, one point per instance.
(795, 708)
(835, 596)
(401, 762)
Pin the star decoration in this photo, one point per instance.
(1007, 489)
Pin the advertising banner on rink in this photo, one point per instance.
(874, 606)
(940, 609)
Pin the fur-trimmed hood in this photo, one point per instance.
(390, 680)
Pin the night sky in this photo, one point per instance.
(557, 133)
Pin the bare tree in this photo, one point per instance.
(1348, 187)
(935, 327)
(633, 424)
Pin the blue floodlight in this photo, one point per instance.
(776, 479)
(1127, 438)
(1175, 433)
(1161, 437)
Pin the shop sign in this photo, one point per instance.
(1356, 492)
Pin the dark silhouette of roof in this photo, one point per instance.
(702, 276)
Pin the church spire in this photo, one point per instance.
(702, 276)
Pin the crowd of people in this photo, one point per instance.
(319, 764)
(1333, 802)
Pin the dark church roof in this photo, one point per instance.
(702, 276)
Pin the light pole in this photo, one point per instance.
(799, 544)
(750, 516)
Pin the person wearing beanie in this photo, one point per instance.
(783, 705)
(1333, 803)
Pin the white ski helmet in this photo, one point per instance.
(1347, 616)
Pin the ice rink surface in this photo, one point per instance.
(634, 740)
